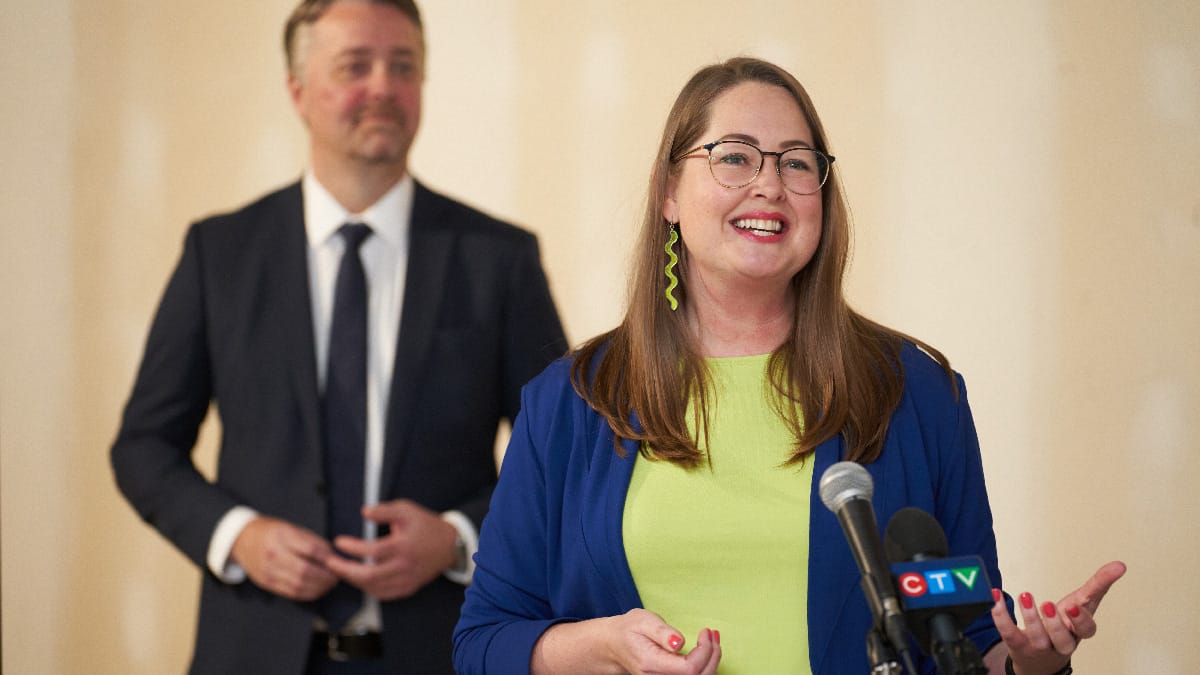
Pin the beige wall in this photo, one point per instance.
(1025, 179)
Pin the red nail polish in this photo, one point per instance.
(717, 636)
(1027, 600)
(675, 642)
(1049, 610)
(1073, 611)
(997, 596)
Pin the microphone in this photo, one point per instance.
(846, 489)
(940, 594)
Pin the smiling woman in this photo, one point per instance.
(744, 243)
(657, 489)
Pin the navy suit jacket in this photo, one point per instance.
(235, 328)
(551, 548)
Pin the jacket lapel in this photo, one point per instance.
(429, 246)
(610, 508)
(290, 289)
(830, 561)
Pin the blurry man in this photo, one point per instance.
(362, 338)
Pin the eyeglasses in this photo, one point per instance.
(736, 164)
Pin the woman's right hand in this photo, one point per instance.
(637, 642)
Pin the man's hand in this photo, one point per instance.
(419, 547)
(285, 559)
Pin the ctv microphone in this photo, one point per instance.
(846, 489)
(940, 594)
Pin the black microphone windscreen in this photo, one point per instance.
(913, 534)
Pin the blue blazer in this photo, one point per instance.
(234, 328)
(551, 547)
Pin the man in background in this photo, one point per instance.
(362, 337)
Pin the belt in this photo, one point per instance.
(348, 646)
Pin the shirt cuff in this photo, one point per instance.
(470, 538)
(221, 545)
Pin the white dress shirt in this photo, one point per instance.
(385, 261)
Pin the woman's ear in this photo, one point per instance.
(670, 208)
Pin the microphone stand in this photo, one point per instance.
(880, 655)
(953, 653)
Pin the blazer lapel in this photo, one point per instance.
(290, 289)
(832, 562)
(832, 573)
(603, 515)
(429, 246)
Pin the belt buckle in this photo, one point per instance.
(333, 648)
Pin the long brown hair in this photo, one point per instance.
(838, 373)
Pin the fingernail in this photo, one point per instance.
(1049, 610)
(717, 636)
(675, 642)
(1027, 600)
(1073, 611)
(997, 595)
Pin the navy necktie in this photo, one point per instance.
(344, 413)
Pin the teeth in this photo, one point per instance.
(756, 225)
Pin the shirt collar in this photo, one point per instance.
(388, 217)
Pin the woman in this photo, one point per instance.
(660, 484)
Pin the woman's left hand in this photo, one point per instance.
(1053, 632)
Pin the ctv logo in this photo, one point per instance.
(936, 582)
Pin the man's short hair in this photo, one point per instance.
(309, 11)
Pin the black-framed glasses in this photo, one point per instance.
(736, 164)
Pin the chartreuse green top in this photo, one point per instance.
(726, 547)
